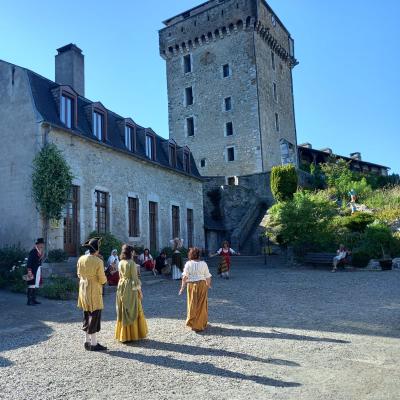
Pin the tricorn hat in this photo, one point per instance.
(39, 241)
(93, 243)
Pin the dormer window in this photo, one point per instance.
(186, 160)
(150, 146)
(98, 125)
(67, 110)
(68, 107)
(172, 154)
(130, 139)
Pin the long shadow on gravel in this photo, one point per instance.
(199, 368)
(220, 331)
(203, 351)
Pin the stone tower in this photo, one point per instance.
(230, 92)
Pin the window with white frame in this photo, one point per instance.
(150, 147)
(130, 137)
(67, 110)
(98, 125)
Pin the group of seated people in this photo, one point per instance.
(145, 260)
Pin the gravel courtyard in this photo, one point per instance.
(275, 333)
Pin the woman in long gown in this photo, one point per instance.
(131, 323)
(198, 279)
(176, 260)
(224, 265)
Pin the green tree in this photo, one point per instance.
(51, 183)
(283, 182)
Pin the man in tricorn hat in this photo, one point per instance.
(34, 271)
(90, 271)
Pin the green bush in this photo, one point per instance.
(283, 182)
(108, 243)
(304, 222)
(59, 288)
(57, 256)
(378, 239)
(360, 258)
(358, 221)
(12, 265)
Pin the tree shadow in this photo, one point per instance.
(275, 334)
(200, 368)
(203, 351)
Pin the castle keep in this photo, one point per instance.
(230, 93)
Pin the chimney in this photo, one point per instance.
(327, 150)
(70, 68)
(356, 156)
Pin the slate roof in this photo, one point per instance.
(43, 94)
(311, 151)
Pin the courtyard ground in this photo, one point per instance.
(276, 332)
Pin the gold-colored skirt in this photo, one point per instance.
(136, 331)
(197, 305)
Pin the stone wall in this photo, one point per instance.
(242, 34)
(210, 89)
(96, 166)
(20, 139)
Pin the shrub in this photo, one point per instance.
(304, 222)
(11, 259)
(358, 221)
(360, 258)
(57, 256)
(283, 182)
(108, 243)
(377, 239)
(59, 288)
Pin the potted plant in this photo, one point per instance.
(386, 261)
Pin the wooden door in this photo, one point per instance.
(71, 223)
(153, 225)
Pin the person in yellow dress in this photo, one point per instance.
(131, 323)
(90, 271)
(198, 279)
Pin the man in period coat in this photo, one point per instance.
(34, 263)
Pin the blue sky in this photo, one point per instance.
(346, 86)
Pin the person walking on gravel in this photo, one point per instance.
(90, 270)
(197, 277)
(131, 322)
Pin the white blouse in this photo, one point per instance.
(226, 251)
(196, 271)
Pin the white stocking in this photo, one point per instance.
(93, 339)
(87, 340)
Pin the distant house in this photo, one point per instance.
(307, 155)
(128, 180)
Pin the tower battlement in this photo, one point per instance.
(216, 19)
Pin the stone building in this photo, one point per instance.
(127, 180)
(308, 155)
(230, 93)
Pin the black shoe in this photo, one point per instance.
(36, 302)
(87, 346)
(98, 347)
